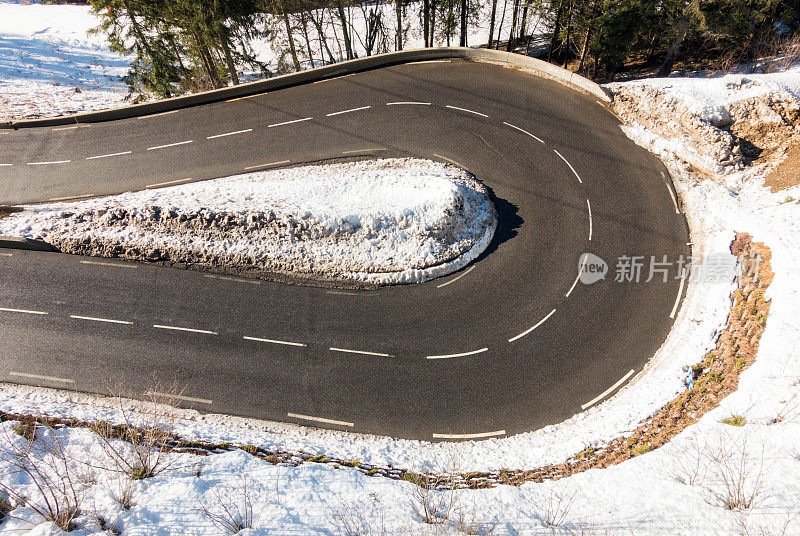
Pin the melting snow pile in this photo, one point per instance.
(718, 125)
(387, 221)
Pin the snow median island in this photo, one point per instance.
(377, 222)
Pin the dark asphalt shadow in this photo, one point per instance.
(508, 221)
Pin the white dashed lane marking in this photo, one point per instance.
(589, 206)
(111, 264)
(362, 352)
(539, 323)
(236, 279)
(570, 166)
(6, 254)
(183, 398)
(463, 354)
(449, 160)
(49, 163)
(54, 379)
(6, 165)
(229, 134)
(170, 145)
(83, 196)
(608, 391)
(282, 162)
(481, 435)
(24, 311)
(457, 277)
(540, 140)
(107, 155)
(97, 319)
(319, 419)
(178, 181)
(290, 122)
(671, 194)
(190, 330)
(348, 111)
(408, 102)
(465, 110)
(274, 341)
(678, 297)
(577, 278)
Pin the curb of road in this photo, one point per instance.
(20, 242)
(532, 65)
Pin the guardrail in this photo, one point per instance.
(533, 65)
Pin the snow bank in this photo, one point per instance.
(718, 125)
(385, 221)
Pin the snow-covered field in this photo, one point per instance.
(49, 65)
(381, 221)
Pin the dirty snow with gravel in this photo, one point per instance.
(711, 120)
(382, 221)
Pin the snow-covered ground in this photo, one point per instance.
(680, 488)
(380, 221)
(49, 65)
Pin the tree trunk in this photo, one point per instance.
(304, 24)
(208, 61)
(491, 22)
(345, 31)
(321, 34)
(681, 30)
(524, 22)
(224, 39)
(585, 47)
(292, 49)
(426, 21)
(399, 12)
(563, 53)
(514, 12)
(502, 20)
(555, 40)
(464, 16)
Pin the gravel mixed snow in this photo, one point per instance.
(383, 221)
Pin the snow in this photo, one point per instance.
(708, 98)
(383, 221)
(46, 53)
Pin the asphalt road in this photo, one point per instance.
(564, 178)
